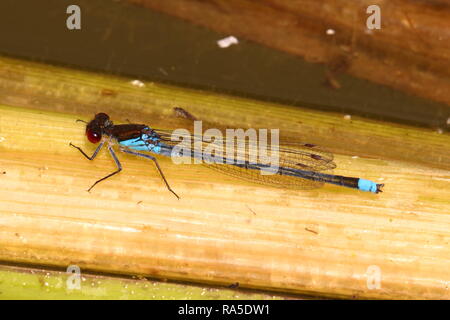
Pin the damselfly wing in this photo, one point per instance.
(291, 155)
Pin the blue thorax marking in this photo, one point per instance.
(143, 143)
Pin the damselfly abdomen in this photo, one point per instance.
(299, 165)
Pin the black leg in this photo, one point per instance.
(157, 166)
(84, 154)
(119, 167)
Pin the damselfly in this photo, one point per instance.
(301, 165)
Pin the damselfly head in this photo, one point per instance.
(95, 128)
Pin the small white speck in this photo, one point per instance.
(355, 157)
(440, 131)
(448, 123)
(228, 41)
(137, 83)
(347, 117)
(46, 284)
(330, 32)
(3, 138)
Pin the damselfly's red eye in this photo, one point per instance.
(93, 136)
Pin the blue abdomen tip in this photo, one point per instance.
(367, 185)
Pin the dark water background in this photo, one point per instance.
(122, 39)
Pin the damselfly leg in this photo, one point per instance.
(157, 166)
(113, 154)
(84, 154)
(119, 168)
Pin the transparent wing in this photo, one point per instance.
(250, 156)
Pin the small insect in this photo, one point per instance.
(181, 113)
(301, 165)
